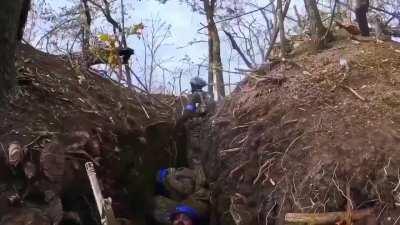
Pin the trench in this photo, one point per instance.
(127, 175)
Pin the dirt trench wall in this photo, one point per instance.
(63, 117)
(299, 144)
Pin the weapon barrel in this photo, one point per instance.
(94, 183)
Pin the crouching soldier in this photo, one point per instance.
(176, 186)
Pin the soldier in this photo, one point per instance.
(192, 119)
(175, 186)
(125, 53)
(361, 9)
(185, 214)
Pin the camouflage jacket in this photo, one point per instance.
(183, 182)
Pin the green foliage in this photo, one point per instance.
(109, 53)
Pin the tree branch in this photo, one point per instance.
(237, 16)
(237, 48)
(276, 31)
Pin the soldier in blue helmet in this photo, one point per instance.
(198, 99)
(177, 186)
(185, 215)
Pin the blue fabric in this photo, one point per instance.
(190, 107)
(162, 175)
(188, 211)
(160, 179)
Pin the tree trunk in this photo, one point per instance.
(215, 50)
(219, 90)
(361, 9)
(281, 20)
(86, 21)
(276, 31)
(125, 45)
(26, 6)
(211, 86)
(11, 27)
(316, 27)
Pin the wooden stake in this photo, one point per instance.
(327, 218)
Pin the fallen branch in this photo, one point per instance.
(354, 92)
(237, 169)
(288, 148)
(223, 152)
(327, 218)
(261, 171)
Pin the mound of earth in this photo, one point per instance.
(318, 133)
(61, 117)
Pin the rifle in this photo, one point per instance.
(103, 205)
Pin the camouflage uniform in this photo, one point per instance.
(193, 126)
(183, 186)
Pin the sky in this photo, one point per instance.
(184, 29)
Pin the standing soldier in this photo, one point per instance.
(361, 9)
(192, 119)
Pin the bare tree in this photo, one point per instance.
(318, 32)
(361, 9)
(250, 36)
(281, 19)
(215, 74)
(85, 20)
(118, 28)
(154, 39)
(276, 31)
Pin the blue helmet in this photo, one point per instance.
(186, 210)
(190, 107)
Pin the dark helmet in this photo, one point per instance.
(197, 83)
(188, 211)
(126, 54)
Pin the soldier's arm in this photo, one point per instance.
(181, 183)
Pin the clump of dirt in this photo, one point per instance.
(63, 117)
(317, 133)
